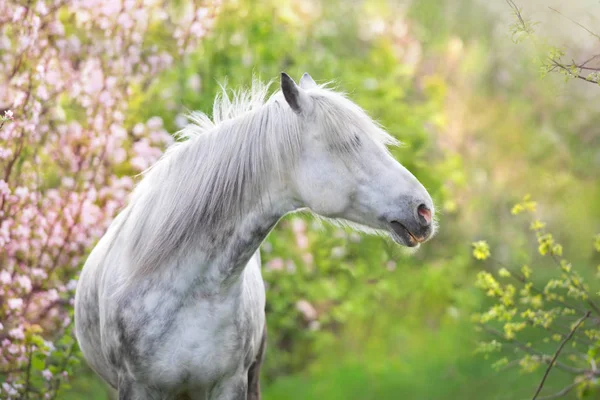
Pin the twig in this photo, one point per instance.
(587, 68)
(562, 344)
(63, 367)
(517, 276)
(517, 12)
(28, 372)
(588, 60)
(576, 23)
(571, 73)
(589, 301)
(525, 26)
(583, 342)
(560, 393)
(530, 350)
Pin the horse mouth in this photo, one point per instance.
(402, 235)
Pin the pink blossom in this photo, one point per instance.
(15, 304)
(49, 345)
(197, 29)
(38, 273)
(21, 192)
(154, 123)
(314, 325)
(298, 225)
(275, 264)
(4, 189)
(24, 282)
(390, 265)
(9, 389)
(47, 374)
(18, 14)
(5, 153)
(17, 333)
(138, 129)
(195, 82)
(306, 309)
(302, 241)
(307, 258)
(5, 277)
(72, 284)
(47, 226)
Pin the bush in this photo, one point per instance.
(548, 322)
(67, 149)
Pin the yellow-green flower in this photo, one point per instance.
(481, 250)
(526, 205)
(537, 225)
(526, 271)
(503, 272)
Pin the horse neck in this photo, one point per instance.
(229, 244)
(220, 252)
(243, 236)
(215, 261)
(223, 212)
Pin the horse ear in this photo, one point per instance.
(307, 82)
(295, 96)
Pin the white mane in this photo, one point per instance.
(225, 164)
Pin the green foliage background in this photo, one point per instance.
(479, 130)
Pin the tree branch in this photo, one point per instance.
(517, 13)
(560, 393)
(557, 261)
(588, 60)
(527, 349)
(517, 276)
(28, 372)
(574, 69)
(571, 73)
(562, 344)
(575, 22)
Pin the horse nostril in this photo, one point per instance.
(424, 215)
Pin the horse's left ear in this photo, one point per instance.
(307, 82)
(295, 96)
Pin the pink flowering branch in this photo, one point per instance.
(68, 75)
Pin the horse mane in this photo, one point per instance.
(222, 166)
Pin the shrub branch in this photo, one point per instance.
(527, 349)
(560, 347)
(560, 393)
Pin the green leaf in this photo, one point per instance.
(38, 362)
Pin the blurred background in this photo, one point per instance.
(357, 317)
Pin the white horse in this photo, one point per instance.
(170, 303)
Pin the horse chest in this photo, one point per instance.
(207, 342)
(193, 338)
